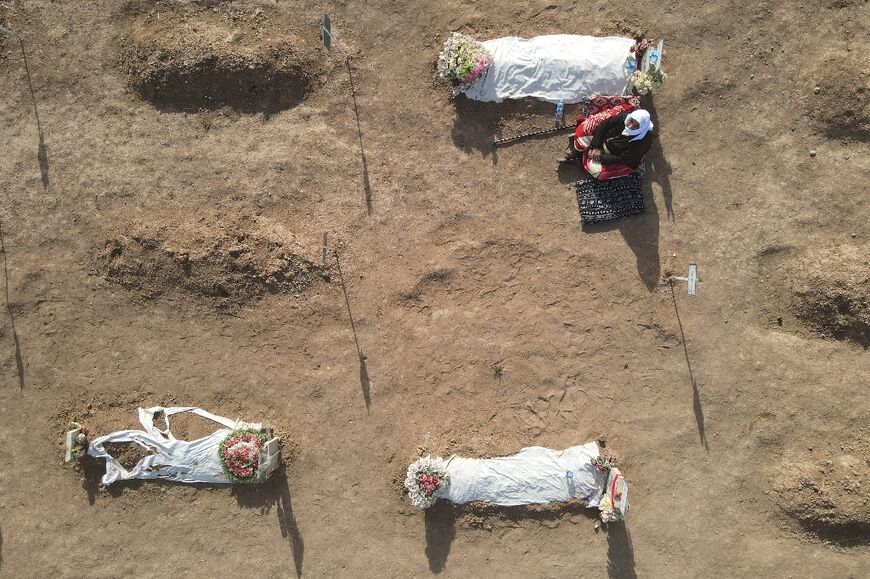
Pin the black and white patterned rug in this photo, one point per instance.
(610, 199)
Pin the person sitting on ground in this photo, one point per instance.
(615, 147)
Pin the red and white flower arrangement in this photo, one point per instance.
(239, 454)
(426, 481)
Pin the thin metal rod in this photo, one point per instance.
(335, 40)
(505, 140)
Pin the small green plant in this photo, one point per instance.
(497, 370)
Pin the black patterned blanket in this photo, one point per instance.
(610, 199)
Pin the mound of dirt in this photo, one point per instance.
(191, 61)
(127, 453)
(831, 292)
(828, 498)
(826, 290)
(231, 264)
(841, 109)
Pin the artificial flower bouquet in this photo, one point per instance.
(239, 454)
(610, 507)
(463, 60)
(426, 480)
(646, 82)
(607, 511)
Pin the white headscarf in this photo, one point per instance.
(646, 125)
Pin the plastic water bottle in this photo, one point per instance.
(570, 476)
(560, 112)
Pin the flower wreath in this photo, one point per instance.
(239, 453)
(463, 60)
(426, 480)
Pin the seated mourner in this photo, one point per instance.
(615, 146)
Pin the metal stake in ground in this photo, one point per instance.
(329, 37)
(691, 279)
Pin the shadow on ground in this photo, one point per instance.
(443, 518)
(620, 552)
(19, 357)
(478, 124)
(696, 393)
(641, 232)
(275, 492)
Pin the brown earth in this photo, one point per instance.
(823, 291)
(162, 226)
(230, 262)
(829, 497)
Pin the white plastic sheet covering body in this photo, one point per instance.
(533, 475)
(558, 66)
(178, 460)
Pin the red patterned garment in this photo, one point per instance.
(601, 108)
(597, 104)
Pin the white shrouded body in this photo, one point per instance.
(555, 67)
(533, 475)
(195, 461)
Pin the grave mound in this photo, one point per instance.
(228, 264)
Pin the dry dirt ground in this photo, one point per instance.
(161, 229)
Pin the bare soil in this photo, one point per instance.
(165, 190)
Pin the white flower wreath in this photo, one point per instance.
(426, 480)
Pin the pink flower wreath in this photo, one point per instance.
(239, 454)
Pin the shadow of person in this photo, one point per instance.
(364, 381)
(658, 169)
(19, 357)
(644, 238)
(275, 491)
(1, 548)
(620, 552)
(440, 532)
(641, 234)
